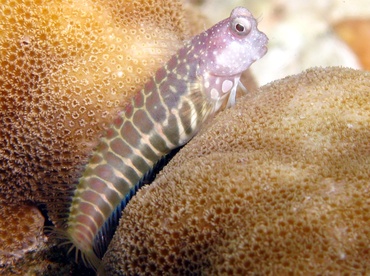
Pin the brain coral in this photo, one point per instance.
(66, 68)
(277, 185)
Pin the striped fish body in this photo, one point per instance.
(164, 115)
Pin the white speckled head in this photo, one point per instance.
(226, 50)
(232, 45)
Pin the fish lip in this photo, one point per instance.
(263, 50)
(260, 53)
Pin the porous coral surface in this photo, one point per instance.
(67, 67)
(20, 231)
(277, 185)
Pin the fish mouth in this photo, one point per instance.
(263, 50)
(259, 53)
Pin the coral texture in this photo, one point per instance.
(20, 231)
(67, 67)
(277, 185)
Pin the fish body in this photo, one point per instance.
(191, 87)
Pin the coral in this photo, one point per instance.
(67, 67)
(356, 33)
(277, 185)
(20, 231)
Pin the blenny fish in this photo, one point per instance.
(197, 81)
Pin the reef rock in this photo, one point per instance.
(277, 185)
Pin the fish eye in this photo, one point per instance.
(241, 26)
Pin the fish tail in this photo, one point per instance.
(83, 248)
(78, 243)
